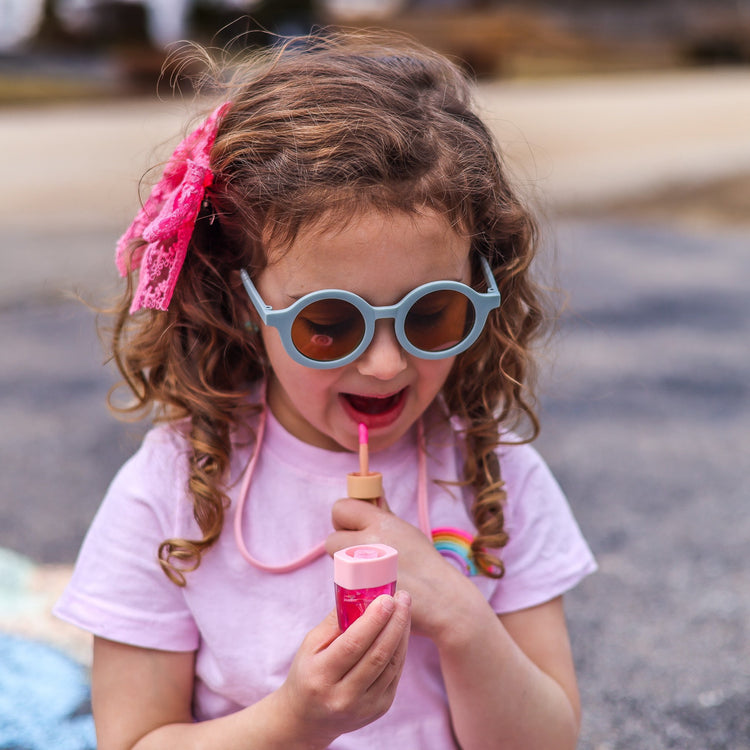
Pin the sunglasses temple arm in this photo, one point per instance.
(491, 283)
(261, 307)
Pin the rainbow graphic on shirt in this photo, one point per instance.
(455, 544)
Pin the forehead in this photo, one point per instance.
(370, 252)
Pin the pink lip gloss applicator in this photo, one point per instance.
(365, 485)
(366, 571)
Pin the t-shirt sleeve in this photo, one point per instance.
(118, 590)
(546, 554)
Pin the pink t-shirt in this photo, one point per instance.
(246, 624)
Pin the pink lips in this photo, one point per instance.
(374, 411)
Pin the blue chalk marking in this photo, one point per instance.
(45, 700)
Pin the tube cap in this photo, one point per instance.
(364, 486)
(365, 566)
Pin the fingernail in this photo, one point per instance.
(388, 604)
(404, 597)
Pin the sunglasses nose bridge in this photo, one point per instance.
(386, 312)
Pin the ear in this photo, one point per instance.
(235, 283)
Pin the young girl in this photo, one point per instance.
(336, 245)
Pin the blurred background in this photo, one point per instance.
(122, 42)
(625, 123)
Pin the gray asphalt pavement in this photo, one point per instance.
(647, 426)
(646, 398)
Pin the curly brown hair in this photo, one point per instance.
(322, 129)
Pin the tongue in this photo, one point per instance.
(368, 405)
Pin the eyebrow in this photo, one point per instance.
(295, 297)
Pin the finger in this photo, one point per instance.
(355, 515)
(382, 503)
(346, 651)
(352, 515)
(388, 649)
(388, 679)
(324, 633)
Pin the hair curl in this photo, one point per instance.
(322, 130)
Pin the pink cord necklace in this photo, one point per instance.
(318, 550)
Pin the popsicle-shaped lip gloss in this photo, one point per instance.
(366, 484)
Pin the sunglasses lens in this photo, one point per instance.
(439, 320)
(328, 329)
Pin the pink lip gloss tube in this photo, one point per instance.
(361, 574)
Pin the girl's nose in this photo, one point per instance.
(384, 358)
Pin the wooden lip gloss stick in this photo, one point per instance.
(365, 484)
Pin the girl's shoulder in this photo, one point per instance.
(519, 457)
(528, 481)
(513, 453)
(160, 459)
(168, 440)
(166, 449)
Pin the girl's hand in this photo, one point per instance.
(433, 583)
(339, 682)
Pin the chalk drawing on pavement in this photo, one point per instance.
(44, 698)
(44, 691)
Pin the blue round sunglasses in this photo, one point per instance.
(332, 327)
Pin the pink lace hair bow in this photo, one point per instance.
(167, 219)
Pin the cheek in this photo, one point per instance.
(298, 381)
(434, 373)
(277, 356)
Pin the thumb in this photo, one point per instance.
(382, 503)
(354, 515)
(351, 514)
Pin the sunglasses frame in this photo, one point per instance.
(282, 320)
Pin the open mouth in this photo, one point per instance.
(375, 411)
(373, 404)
